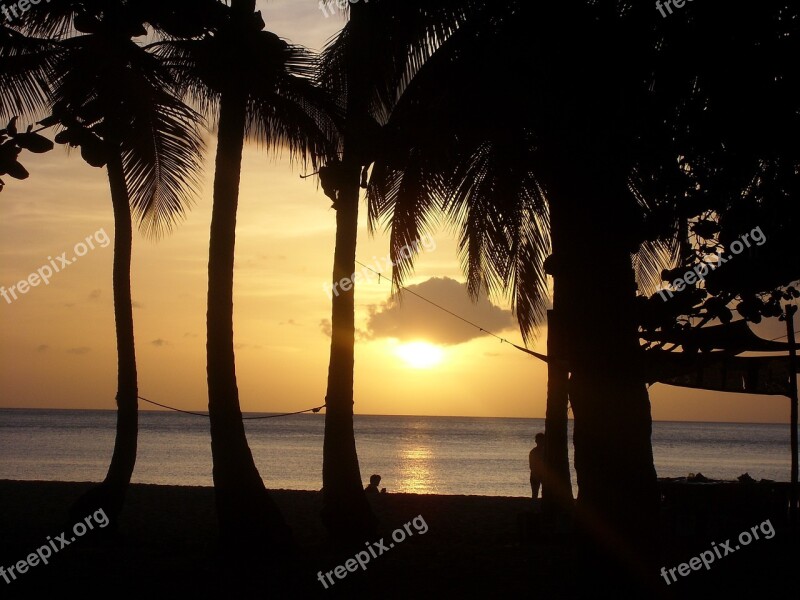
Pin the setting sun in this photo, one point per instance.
(420, 355)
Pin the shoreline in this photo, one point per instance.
(663, 481)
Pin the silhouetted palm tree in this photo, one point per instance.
(113, 100)
(499, 121)
(365, 67)
(605, 129)
(253, 85)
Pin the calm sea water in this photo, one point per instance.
(436, 455)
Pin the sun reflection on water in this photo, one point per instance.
(415, 471)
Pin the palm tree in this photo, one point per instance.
(113, 100)
(469, 139)
(258, 86)
(616, 128)
(365, 67)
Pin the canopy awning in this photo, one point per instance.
(734, 338)
(720, 371)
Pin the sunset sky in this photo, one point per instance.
(57, 347)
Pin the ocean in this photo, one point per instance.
(425, 455)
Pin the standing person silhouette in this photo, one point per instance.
(536, 463)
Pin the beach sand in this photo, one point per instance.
(473, 548)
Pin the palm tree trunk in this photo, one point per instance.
(247, 514)
(557, 499)
(618, 500)
(124, 457)
(346, 512)
(110, 495)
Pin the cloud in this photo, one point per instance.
(160, 343)
(95, 294)
(135, 304)
(79, 350)
(412, 318)
(325, 327)
(42, 348)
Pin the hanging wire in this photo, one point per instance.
(780, 337)
(424, 299)
(450, 312)
(316, 409)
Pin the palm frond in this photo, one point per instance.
(183, 59)
(404, 198)
(124, 95)
(287, 110)
(27, 69)
(55, 19)
(162, 159)
(502, 214)
(388, 46)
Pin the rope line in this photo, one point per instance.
(780, 337)
(478, 327)
(316, 409)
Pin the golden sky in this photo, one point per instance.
(57, 347)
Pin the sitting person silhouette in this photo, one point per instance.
(374, 482)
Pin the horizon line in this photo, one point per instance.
(393, 415)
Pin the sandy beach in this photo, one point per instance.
(473, 547)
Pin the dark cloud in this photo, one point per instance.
(135, 304)
(410, 318)
(160, 343)
(42, 348)
(95, 294)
